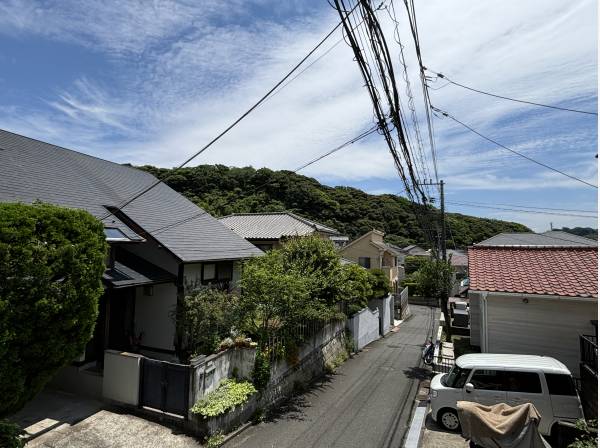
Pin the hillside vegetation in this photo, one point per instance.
(223, 190)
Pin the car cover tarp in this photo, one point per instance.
(501, 425)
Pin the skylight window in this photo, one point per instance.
(113, 234)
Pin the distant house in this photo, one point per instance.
(161, 244)
(371, 252)
(533, 299)
(269, 230)
(551, 238)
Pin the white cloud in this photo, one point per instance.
(190, 68)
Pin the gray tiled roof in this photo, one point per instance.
(274, 225)
(538, 239)
(33, 170)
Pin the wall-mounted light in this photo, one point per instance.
(525, 300)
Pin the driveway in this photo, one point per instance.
(367, 403)
(107, 429)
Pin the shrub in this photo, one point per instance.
(208, 317)
(9, 435)
(357, 283)
(380, 284)
(316, 261)
(412, 263)
(51, 266)
(262, 370)
(224, 398)
(215, 441)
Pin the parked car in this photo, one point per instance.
(489, 379)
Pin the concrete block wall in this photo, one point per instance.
(121, 381)
(364, 327)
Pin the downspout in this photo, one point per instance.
(484, 323)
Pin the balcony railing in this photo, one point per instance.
(588, 349)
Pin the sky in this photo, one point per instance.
(151, 82)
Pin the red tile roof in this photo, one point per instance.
(551, 271)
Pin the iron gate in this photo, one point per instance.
(165, 386)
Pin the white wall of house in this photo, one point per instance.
(547, 326)
(153, 316)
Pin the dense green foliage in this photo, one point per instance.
(358, 283)
(207, 317)
(301, 281)
(262, 370)
(224, 398)
(586, 232)
(412, 264)
(9, 435)
(51, 266)
(380, 284)
(221, 190)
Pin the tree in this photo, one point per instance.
(272, 296)
(358, 290)
(380, 283)
(51, 266)
(316, 261)
(208, 316)
(434, 279)
(223, 190)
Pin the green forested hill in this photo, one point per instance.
(222, 190)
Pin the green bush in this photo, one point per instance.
(262, 370)
(380, 284)
(357, 282)
(9, 435)
(224, 398)
(207, 317)
(51, 265)
(413, 263)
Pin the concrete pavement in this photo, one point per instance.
(367, 403)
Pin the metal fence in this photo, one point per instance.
(443, 364)
(298, 334)
(588, 348)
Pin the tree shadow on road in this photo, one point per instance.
(417, 373)
(293, 408)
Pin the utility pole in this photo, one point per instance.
(442, 243)
(443, 218)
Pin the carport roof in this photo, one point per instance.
(571, 272)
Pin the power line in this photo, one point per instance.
(445, 114)
(508, 98)
(412, 18)
(522, 210)
(240, 118)
(360, 136)
(532, 207)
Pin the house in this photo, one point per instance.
(533, 299)
(269, 230)
(371, 252)
(528, 239)
(161, 244)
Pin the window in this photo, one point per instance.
(148, 290)
(225, 270)
(487, 380)
(113, 234)
(209, 272)
(365, 262)
(457, 377)
(527, 382)
(560, 384)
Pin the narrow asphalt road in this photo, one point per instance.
(366, 404)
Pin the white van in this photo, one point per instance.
(488, 379)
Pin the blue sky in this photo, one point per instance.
(151, 82)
